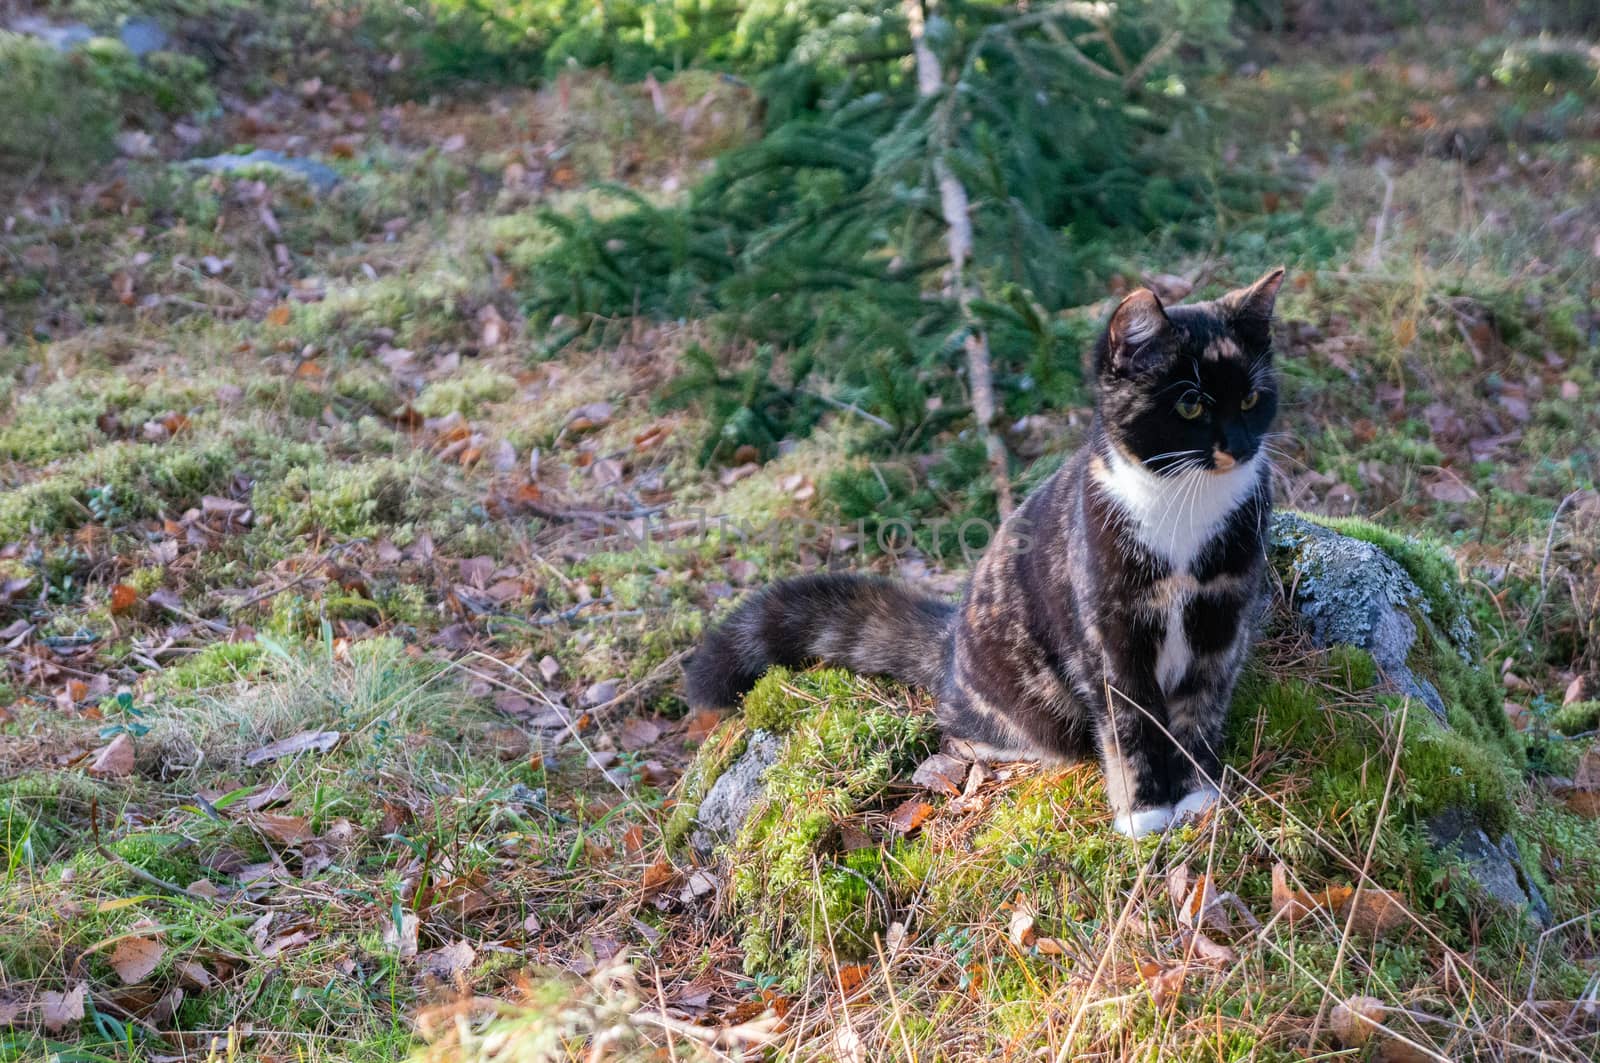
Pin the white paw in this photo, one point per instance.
(1196, 803)
(1138, 824)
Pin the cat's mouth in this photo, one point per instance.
(1222, 461)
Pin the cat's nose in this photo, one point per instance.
(1222, 459)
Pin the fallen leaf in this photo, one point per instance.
(1296, 904)
(1450, 491)
(402, 938)
(1375, 912)
(941, 773)
(279, 315)
(1352, 1021)
(699, 883)
(910, 815)
(123, 598)
(1574, 691)
(293, 940)
(658, 875)
(1020, 926)
(1588, 773)
(194, 976)
(134, 959)
(492, 329)
(59, 1010)
(852, 976)
(304, 742)
(1212, 952)
(700, 725)
(114, 759)
(1165, 983)
(637, 734)
(448, 961)
(586, 418)
(549, 668)
(285, 830)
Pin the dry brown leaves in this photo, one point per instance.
(134, 959)
(1020, 929)
(1369, 911)
(113, 760)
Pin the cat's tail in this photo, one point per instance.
(867, 624)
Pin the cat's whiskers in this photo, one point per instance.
(1170, 454)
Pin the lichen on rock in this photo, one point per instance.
(1351, 592)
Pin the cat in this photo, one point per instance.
(1121, 627)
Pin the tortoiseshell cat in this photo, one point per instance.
(1122, 630)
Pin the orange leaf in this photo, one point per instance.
(279, 315)
(851, 977)
(123, 598)
(910, 815)
(658, 875)
(1376, 912)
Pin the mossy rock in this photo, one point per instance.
(831, 748)
(1396, 597)
(821, 757)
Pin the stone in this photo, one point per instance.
(63, 38)
(320, 176)
(1349, 591)
(1495, 866)
(141, 36)
(731, 797)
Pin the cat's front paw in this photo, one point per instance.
(1145, 821)
(1196, 803)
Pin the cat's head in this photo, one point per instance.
(1190, 387)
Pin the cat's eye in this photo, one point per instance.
(1189, 409)
(1250, 400)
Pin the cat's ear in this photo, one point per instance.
(1135, 338)
(1256, 301)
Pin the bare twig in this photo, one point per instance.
(954, 206)
(1375, 256)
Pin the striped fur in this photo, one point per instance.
(1121, 631)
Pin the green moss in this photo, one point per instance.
(721, 748)
(117, 483)
(217, 664)
(353, 499)
(1576, 718)
(795, 890)
(38, 811)
(1354, 669)
(466, 392)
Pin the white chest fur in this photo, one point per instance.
(1174, 517)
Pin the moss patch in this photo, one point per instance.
(798, 888)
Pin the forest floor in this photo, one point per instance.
(340, 702)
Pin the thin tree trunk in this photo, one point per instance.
(953, 205)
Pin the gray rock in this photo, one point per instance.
(731, 797)
(1351, 592)
(321, 176)
(63, 38)
(141, 36)
(1495, 867)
